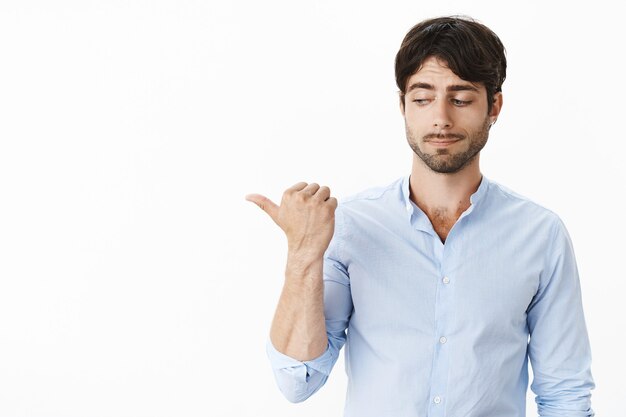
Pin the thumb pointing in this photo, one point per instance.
(266, 205)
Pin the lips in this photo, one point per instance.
(442, 142)
(443, 137)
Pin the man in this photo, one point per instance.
(444, 284)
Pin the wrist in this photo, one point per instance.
(302, 262)
(305, 253)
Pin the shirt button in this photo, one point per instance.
(446, 280)
(442, 340)
(437, 399)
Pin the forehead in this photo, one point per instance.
(435, 72)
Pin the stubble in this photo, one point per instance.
(444, 160)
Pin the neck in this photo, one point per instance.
(440, 194)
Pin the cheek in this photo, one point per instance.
(471, 120)
(414, 129)
(415, 122)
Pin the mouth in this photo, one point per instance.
(442, 143)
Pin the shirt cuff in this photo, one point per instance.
(279, 360)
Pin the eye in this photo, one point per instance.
(420, 101)
(460, 103)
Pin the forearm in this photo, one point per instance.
(298, 329)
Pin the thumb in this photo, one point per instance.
(266, 205)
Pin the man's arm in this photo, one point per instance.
(559, 349)
(298, 329)
(298, 380)
(300, 348)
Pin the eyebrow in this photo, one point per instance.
(454, 87)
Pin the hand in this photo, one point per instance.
(307, 216)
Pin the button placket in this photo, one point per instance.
(444, 311)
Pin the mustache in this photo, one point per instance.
(442, 136)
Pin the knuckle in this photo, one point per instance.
(294, 188)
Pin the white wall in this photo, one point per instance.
(135, 280)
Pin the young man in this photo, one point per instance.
(443, 284)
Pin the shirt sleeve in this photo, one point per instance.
(559, 348)
(299, 380)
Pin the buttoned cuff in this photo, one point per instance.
(279, 360)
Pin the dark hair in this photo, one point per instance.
(470, 49)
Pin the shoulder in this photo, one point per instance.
(373, 199)
(378, 204)
(373, 193)
(514, 214)
(513, 203)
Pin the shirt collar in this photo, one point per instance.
(421, 220)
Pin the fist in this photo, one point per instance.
(307, 216)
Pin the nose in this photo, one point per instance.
(441, 115)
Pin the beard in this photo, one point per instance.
(444, 161)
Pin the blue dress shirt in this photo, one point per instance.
(434, 329)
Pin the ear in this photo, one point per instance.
(401, 97)
(497, 106)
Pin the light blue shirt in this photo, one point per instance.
(434, 329)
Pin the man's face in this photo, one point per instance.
(446, 118)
